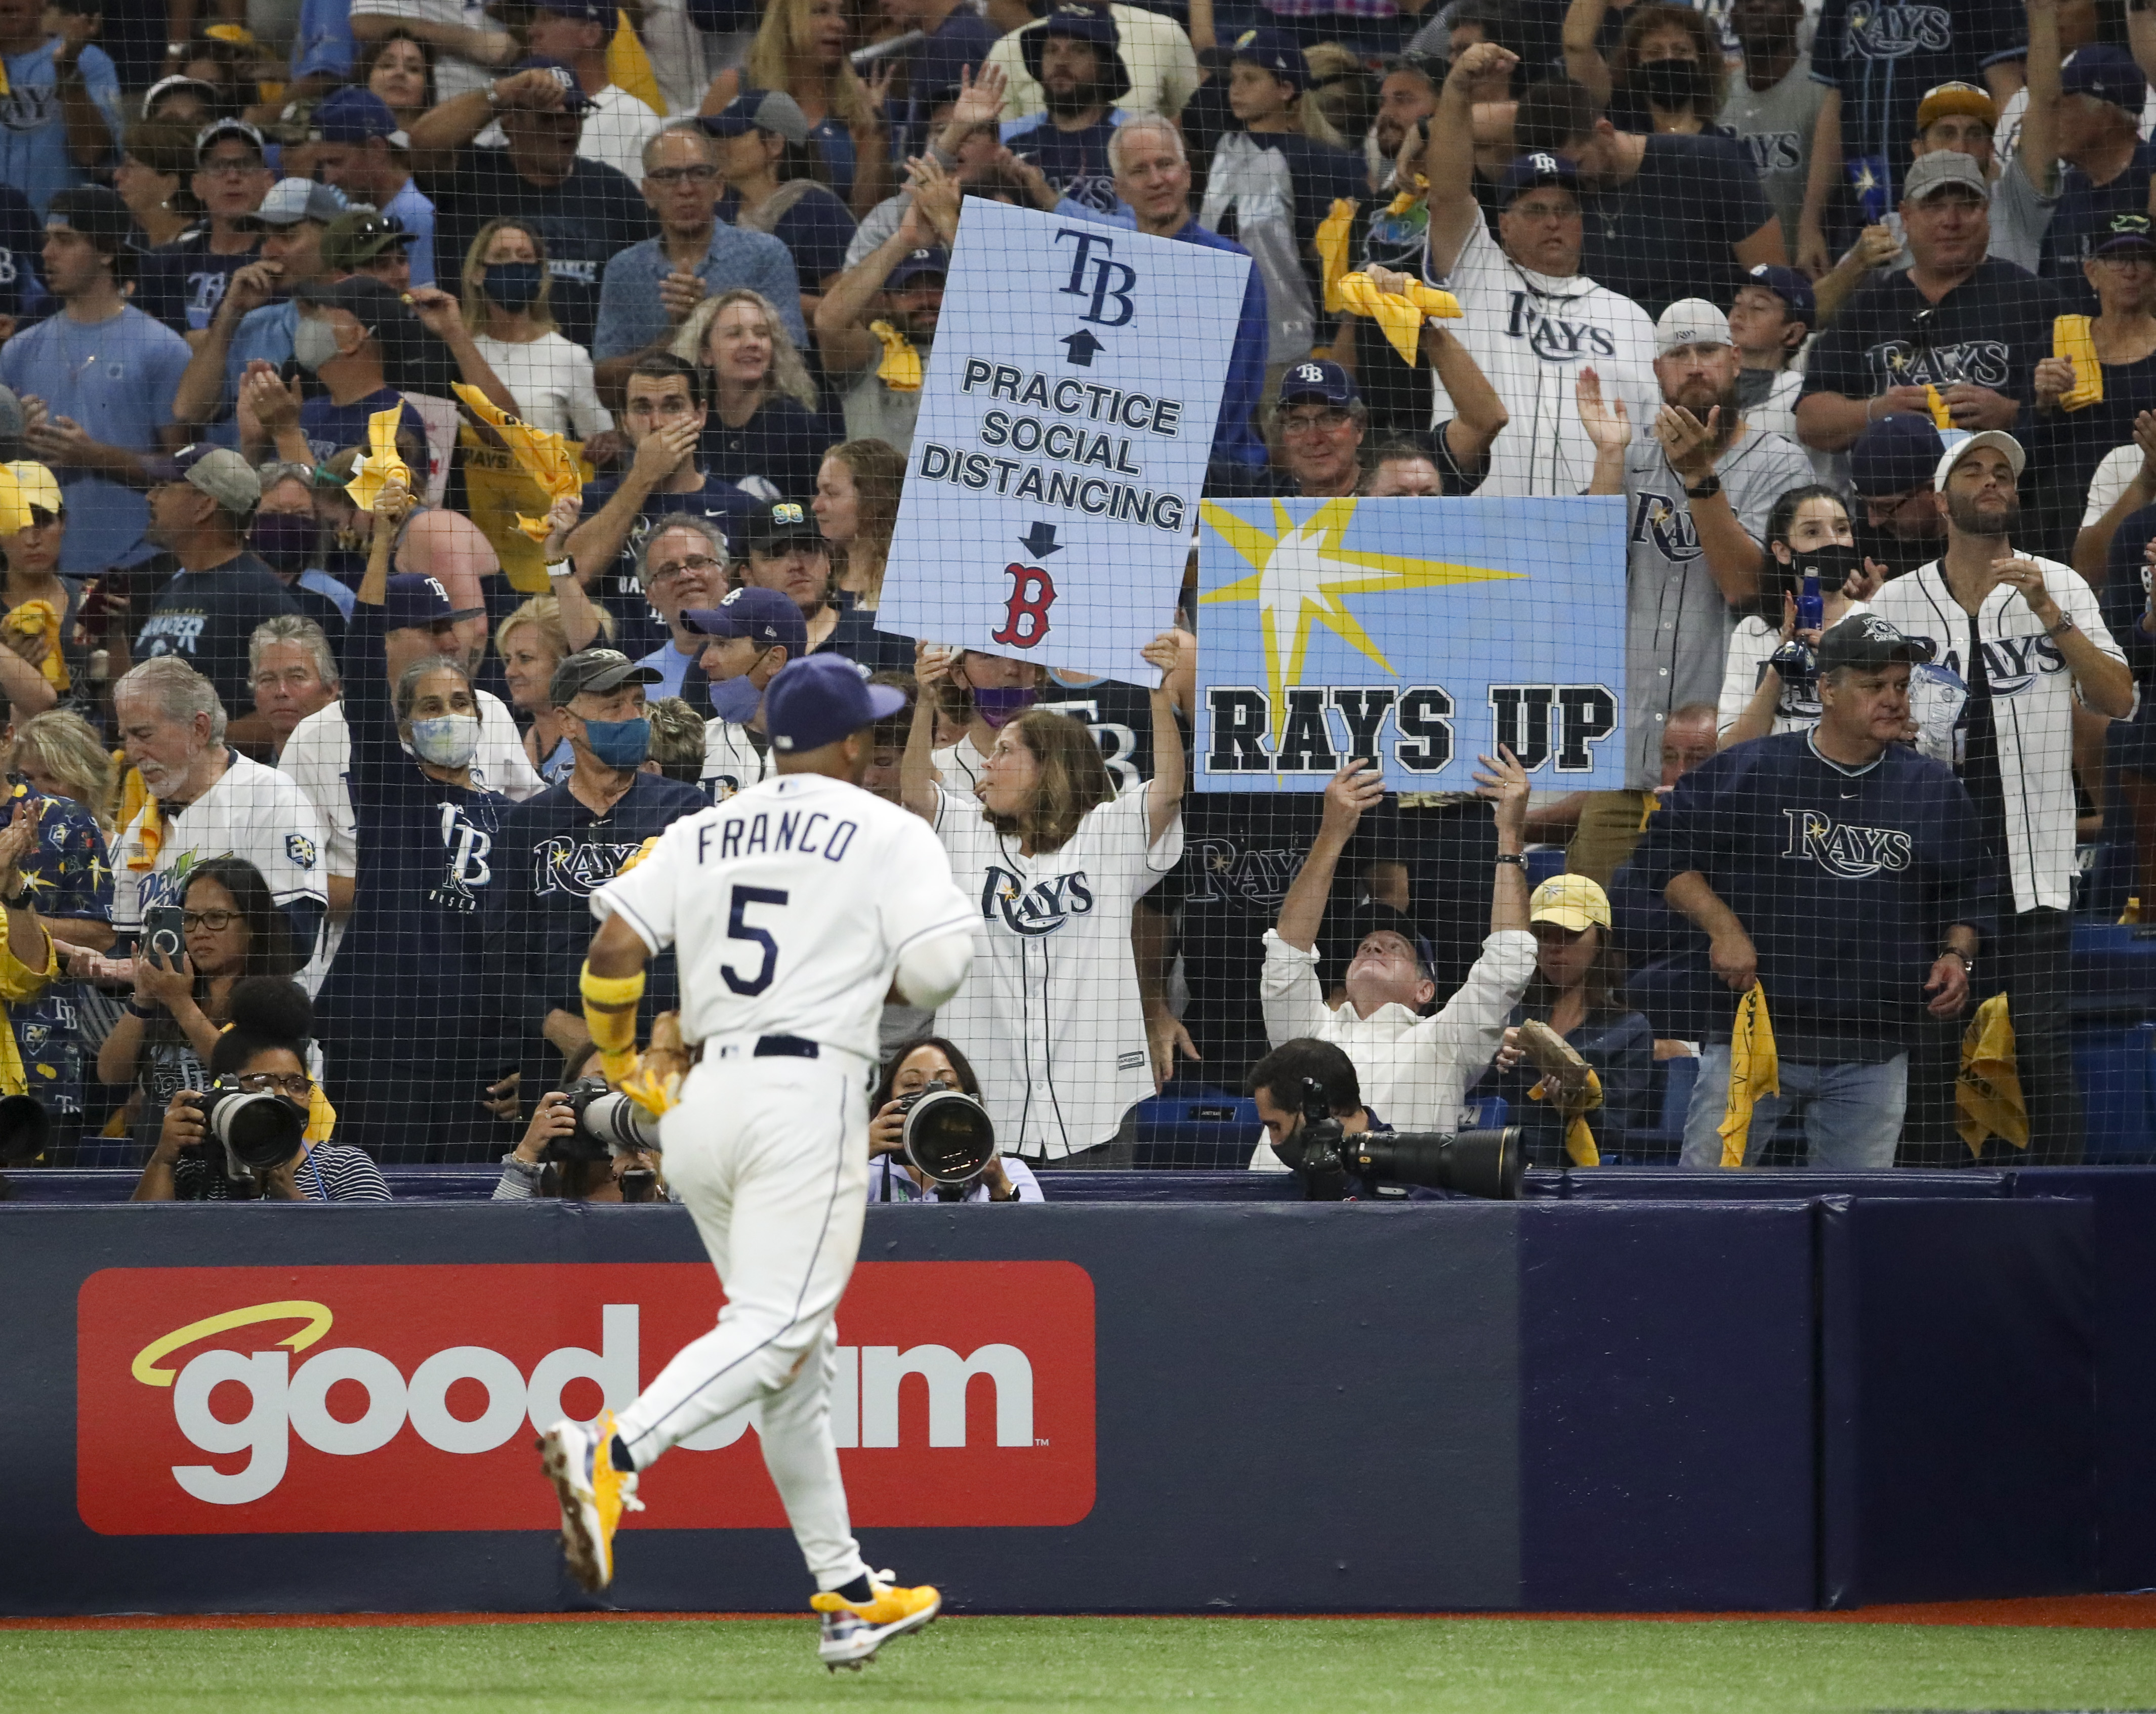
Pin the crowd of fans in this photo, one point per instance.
(1850, 303)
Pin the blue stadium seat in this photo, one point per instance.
(1195, 1129)
(2117, 1069)
(1671, 1093)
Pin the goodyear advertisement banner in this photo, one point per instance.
(1418, 631)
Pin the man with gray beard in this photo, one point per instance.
(1698, 487)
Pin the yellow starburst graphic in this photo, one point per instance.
(1300, 575)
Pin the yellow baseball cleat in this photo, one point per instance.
(578, 1459)
(853, 1631)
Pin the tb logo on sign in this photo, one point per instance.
(1095, 275)
(1025, 614)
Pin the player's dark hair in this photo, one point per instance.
(270, 947)
(1074, 780)
(657, 366)
(269, 1012)
(1282, 1072)
(1552, 113)
(967, 1082)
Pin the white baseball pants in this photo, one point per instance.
(771, 1157)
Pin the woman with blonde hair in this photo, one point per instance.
(58, 755)
(531, 643)
(505, 293)
(856, 507)
(762, 422)
(1054, 850)
(801, 47)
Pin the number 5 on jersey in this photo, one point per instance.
(739, 928)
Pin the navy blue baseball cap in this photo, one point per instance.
(1791, 287)
(819, 700)
(1319, 378)
(1077, 21)
(1896, 453)
(573, 98)
(1529, 172)
(352, 115)
(417, 602)
(1274, 50)
(767, 615)
(934, 258)
(2127, 235)
(2107, 73)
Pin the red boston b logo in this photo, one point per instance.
(1025, 614)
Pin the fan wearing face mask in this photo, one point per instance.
(399, 999)
(748, 637)
(982, 694)
(1771, 683)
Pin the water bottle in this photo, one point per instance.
(1811, 607)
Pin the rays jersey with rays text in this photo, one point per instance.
(788, 907)
(1531, 334)
(1051, 1018)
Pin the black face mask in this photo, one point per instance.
(1835, 563)
(1675, 83)
(288, 542)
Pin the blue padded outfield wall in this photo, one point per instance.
(1618, 1401)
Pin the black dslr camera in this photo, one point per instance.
(1485, 1163)
(947, 1138)
(248, 1134)
(608, 1123)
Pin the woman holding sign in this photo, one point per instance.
(1052, 1020)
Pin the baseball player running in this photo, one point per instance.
(791, 907)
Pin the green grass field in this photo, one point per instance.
(1317, 1667)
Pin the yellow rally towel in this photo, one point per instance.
(134, 798)
(2131, 913)
(1400, 316)
(1987, 1093)
(1331, 244)
(321, 1117)
(1942, 417)
(901, 368)
(629, 65)
(545, 455)
(1754, 1070)
(2073, 337)
(374, 472)
(41, 618)
(1578, 1140)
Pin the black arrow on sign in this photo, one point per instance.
(1081, 346)
(1039, 540)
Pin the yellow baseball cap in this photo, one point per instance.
(40, 486)
(1944, 99)
(1571, 901)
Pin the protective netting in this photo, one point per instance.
(1579, 567)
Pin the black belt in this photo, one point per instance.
(773, 1047)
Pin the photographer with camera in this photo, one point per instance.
(1417, 1063)
(557, 1157)
(260, 1132)
(224, 928)
(27, 965)
(956, 1162)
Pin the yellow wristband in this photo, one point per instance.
(610, 990)
(617, 1066)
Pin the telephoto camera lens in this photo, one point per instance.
(1485, 1163)
(608, 1123)
(947, 1134)
(259, 1131)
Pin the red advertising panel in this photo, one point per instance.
(244, 1400)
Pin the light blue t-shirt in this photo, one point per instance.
(265, 333)
(34, 151)
(673, 666)
(410, 209)
(116, 379)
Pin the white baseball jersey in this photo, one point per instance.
(2032, 701)
(788, 907)
(1051, 1019)
(252, 812)
(1752, 646)
(732, 762)
(1532, 334)
(2112, 477)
